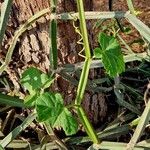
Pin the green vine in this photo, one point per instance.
(84, 76)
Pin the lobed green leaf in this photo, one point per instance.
(34, 80)
(65, 120)
(31, 79)
(50, 107)
(110, 53)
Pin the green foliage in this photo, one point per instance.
(110, 53)
(65, 120)
(30, 100)
(49, 106)
(33, 80)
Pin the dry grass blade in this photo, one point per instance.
(117, 146)
(99, 64)
(130, 6)
(19, 32)
(140, 128)
(5, 11)
(92, 15)
(18, 144)
(48, 146)
(12, 135)
(139, 25)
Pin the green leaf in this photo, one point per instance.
(66, 121)
(46, 81)
(97, 53)
(15, 132)
(1, 148)
(30, 100)
(112, 57)
(104, 40)
(31, 80)
(34, 80)
(49, 105)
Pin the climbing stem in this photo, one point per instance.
(83, 28)
(84, 76)
(87, 125)
(83, 81)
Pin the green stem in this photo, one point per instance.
(84, 76)
(53, 36)
(83, 82)
(87, 125)
(83, 28)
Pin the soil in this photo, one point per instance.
(32, 49)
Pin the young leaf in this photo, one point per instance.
(30, 100)
(34, 80)
(97, 53)
(66, 121)
(111, 55)
(31, 79)
(49, 105)
(46, 81)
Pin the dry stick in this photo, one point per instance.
(54, 137)
(98, 63)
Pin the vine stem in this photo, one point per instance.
(83, 28)
(84, 76)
